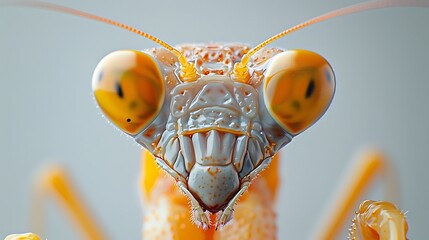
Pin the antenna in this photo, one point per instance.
(241, 71)
(188, 71)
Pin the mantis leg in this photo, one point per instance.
(55, 182)
(360, 177)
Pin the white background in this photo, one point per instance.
(48, 113)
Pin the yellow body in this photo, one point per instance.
(169, 215)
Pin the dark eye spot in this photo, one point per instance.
(133, 104)
(119, 90)
(296, 105)
(328, 76)
(310, 89)
(128, 120)
(100, 77)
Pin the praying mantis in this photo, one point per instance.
(359, 124)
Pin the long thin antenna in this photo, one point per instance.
(240, 69)
(188, 71)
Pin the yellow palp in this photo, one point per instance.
(24, 236)
(379, 220)
(129, 89)
(299, 86)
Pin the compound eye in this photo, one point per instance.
(298, 88)
(129, 89)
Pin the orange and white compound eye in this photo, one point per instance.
(299, 86)
(129, 88)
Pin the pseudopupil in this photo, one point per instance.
(310, 89)
(119, 90)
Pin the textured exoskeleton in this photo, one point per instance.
(215, 133)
